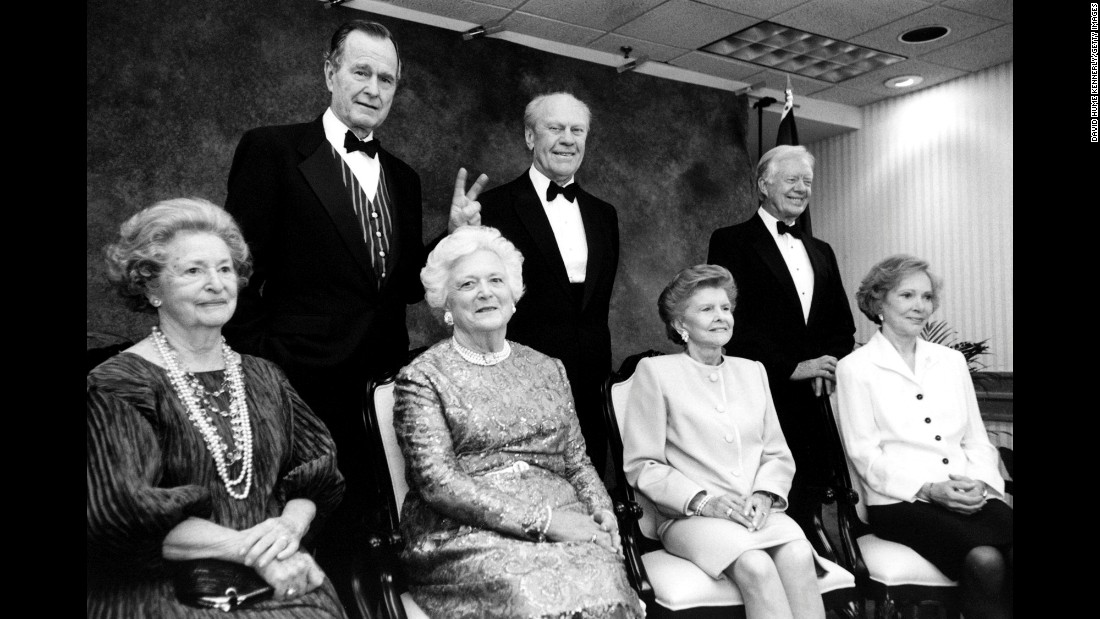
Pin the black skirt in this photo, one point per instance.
(940, 535)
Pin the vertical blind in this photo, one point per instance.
(930, 174)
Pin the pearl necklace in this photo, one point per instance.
(482, 358)
(184, 385)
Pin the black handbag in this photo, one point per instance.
(226, 586)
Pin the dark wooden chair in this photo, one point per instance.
(672, 586)
(381, 585)
(893, 575)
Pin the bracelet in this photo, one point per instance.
(702, 504)
(546, 527)
(536, 533)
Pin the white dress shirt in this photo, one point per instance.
(365, 168)
(565, 220)
(798, 261)
(902, 428)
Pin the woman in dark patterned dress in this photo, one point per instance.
(195, 451)
(505, 516)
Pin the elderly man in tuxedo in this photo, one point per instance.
(570, 244)
(792, 314)
(334, 223)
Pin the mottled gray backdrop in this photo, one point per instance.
(172, 86)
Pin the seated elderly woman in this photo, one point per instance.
(702, 442)
(910, 424)
(205, 468)
(505, 515)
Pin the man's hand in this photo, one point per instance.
(465, 210)
(822, 370)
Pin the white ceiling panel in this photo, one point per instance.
(545, 28)
(961, 25)
(997, 9)
(685, 24)
(976, 53)
(605, 15)
(613, 43)
(844, 19)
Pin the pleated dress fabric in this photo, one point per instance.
(149, 469)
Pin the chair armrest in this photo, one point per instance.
(376, 575)
(628, 512)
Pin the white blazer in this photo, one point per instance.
(903, 428)
(689, 426)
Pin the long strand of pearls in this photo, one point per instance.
(183, 383)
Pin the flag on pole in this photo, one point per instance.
(788, 134)
(788, 131)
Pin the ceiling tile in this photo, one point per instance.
(873, 81)
(508, 4)
(613, 43)
(603, 15)
(997, 9)
(962, 26)
(847, 96)
(976, 53)
(844, 19)
(550, 29)
(762, 9)
(717, 66)
(777, 80)
(476, 12)
(686, 24)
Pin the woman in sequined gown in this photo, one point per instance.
(170, 480)
(505, 516)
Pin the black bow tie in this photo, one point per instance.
(352, 144)
(569, 191)
(785, 229)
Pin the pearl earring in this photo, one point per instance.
(880, 318)
(513, 308)
(684, 336)
(155, 302)
(448, 317)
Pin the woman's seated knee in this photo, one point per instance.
(985, 560)
(754, 566)
(799, 550)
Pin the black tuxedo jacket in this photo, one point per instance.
(768, 323)
(547, 317)
(313, 302)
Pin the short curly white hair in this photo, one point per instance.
(463, 242)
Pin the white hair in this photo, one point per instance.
(461, 243)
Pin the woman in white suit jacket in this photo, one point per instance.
(702, 441)
(910, 424)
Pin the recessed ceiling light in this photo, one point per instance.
(801, 53)
(924, 34)
(903, 81)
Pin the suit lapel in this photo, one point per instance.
(593, 234)
(530, 212)
(323, 172)
(765, 247)
(821, 274)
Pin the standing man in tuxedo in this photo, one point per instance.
(570, 245)
(334, 224)
(792, 314)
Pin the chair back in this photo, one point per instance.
(380, 410)
(619, 396)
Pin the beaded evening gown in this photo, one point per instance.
(149, 469)
(463, 428)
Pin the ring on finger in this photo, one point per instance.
(729, 512)
(290, 592)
